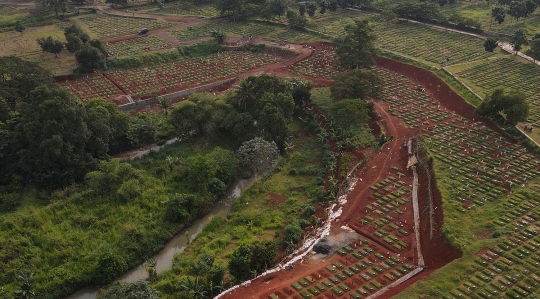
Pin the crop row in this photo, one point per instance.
(508, 73)
(107, 26)
(189, 72)
(136, 46)
(238, 29)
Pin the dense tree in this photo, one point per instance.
(96, 43)
(54, 5)
(424, 11)
(219, 37)
(332, 5)
(358, 47)
(534, 51)
(200, 171)
(347, 113)
(142, 131)
(175, 209)
(249, 259)
(74, 43)
(252, 88)
(18, 77)
(50, 45)
(296, 20)
(109, 265)
(74, 29)
(118, 123)
(19, 27)
(239, 264)
(311, 9)
(490, 44)
(323, 6)
(90, 58)
(387, 16)
(517, 9)
(115, 3)
(512, 106)
(519, 38)
(233, 8)
(227, 163)
(302, 9)
(134, 290)
(258, 154)
(52, 137)
(498, 13)
(274, 8)
(357, 84)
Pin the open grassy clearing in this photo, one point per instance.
(509, 72)
(481, 12)
(9, 14)
(136, 46)
(107, 26)
(480, 176)
(24, 44)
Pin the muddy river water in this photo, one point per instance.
(178, 243)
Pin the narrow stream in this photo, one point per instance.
(178, 243)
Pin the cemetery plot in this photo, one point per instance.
(360, 271)
(320, 65)
(91, 86)
(136, 46)
(107, 26)
(189, 73)
(245, 29)
(481, 164)
(483, 170)
(184, 9)
(429, 44)
(508, 73)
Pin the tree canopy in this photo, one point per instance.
(358, 47)
(511, 105)
(357, 84)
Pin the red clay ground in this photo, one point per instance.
(436, 251)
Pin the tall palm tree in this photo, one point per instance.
(194, 288)
(25, 289)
